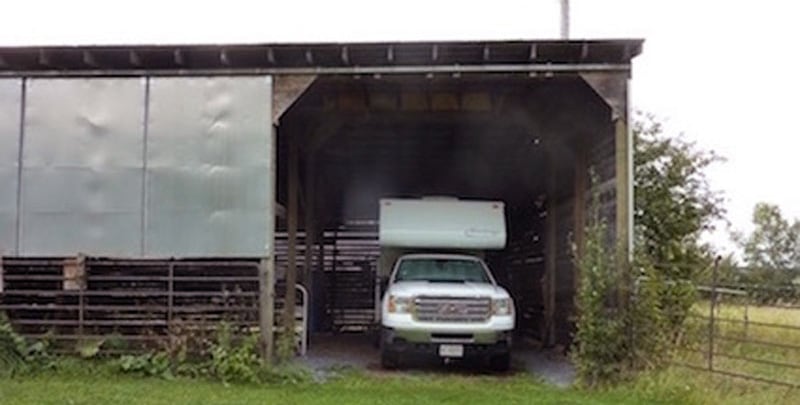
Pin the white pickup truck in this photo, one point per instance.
(441, 298)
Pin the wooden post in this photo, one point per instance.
(266, 300)
(580, 205)
(291, 225)
(1, 274)
(624, 210)
(266, 268)
(170, 292)
(74, 279)
(624, 189)
(310, 228)
(712, 315)
(74, 273)
(551, 248)
(580, 202)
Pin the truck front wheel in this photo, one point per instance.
(389, 361)
(500, 363)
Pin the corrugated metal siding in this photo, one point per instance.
(136, 167)
(10, 104)
(82, 166)
(208, 155)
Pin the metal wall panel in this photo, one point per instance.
(10, 108)
(208, 166)
(83, 167)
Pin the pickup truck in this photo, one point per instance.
(441, 299)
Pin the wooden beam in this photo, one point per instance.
(612, 88)
(288, 88)
(624, 207)
(266, 300)
(551, 247)
(624, 188)
(309, 224)
(74, 273)
(579, 192)
(291, 227)
(266, 268)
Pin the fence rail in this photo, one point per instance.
(138, 302)
(750, 333)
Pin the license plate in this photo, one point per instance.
(451, 350)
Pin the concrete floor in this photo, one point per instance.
(327, 352)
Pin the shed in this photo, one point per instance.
(144, 156)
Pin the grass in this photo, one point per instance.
(348, 390)
(91, 382)
(96, 385)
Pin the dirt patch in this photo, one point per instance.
(359, 351)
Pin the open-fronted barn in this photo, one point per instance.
(143, 187)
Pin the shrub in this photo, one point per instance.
(622, 324)
(17, 355)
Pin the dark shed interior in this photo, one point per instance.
(513, 137)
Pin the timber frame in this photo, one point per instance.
(603, 65)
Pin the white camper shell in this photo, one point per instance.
(443, 223)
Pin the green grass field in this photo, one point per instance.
(92, 382)
(668, 387)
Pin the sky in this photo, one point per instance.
(724, 73)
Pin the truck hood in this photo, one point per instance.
(416, 288)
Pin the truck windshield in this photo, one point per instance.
(442, 270)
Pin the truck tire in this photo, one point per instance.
(500, 363)
(389, 361)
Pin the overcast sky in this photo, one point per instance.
(723, 72)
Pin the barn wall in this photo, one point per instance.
(82, 166)
(136, 167)
(10, 103)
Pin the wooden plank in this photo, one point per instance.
(623, 187)
(551, 246)
(309, 211)
(74, 271)
(291, 228)
(581, 175)
(288, 88)
(266, 301)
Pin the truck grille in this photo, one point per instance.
(452, 309)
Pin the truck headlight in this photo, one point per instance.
(399, 305)
(502, 306)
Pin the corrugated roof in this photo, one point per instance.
(322, 58)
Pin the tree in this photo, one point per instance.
(674, 203)
(772, 250)
(674, 206)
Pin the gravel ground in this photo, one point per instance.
(328, 352)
